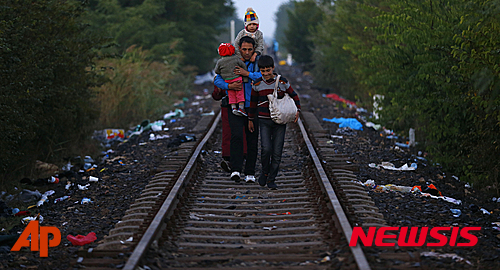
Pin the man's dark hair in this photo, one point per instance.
(266, 61)
(247, 39)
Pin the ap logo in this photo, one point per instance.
(33, 230)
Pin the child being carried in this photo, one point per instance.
(251, 30)
(224, 67)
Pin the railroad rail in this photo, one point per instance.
(192, 216)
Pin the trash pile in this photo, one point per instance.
(363, 115)
(421, 190)
(29, 202)
(81, 181)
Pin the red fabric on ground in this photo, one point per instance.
(81, 240)
(337, 98)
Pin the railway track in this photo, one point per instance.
(192, 216)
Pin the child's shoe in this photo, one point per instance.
(235, 112)
(241, 112)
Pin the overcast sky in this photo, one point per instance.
(265, 10)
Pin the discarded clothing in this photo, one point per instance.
(453, 256)
(431, 189)
(415, 189)
(182, 138)
(337, 98)
(372, 125)
(346, 122)
(81, 240)
(371, 183)
(390, 166)
(27, 195)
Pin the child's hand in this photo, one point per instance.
(254, 55)
(296, 117)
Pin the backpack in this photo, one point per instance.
(282, 110)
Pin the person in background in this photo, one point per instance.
(251, 30)
(272, 135)
(237, 124)
(225, 109)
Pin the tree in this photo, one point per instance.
(340, 44)
(436, 63)
(44, 53)
(187, 27)
(281, 18)
(301, 23)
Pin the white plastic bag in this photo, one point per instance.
(282, 110)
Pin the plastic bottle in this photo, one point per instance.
(45, 197)
(61, 199)
(456, 212)
(399, 188)
(53, 180)
(41, 201)
(86, 200)
(412, 137)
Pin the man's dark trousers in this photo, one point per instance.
(238, 123)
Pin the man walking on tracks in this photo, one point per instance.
(238, 124)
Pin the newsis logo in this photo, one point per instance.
(405, 239)
(35, 230)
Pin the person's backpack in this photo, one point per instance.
(282, 110)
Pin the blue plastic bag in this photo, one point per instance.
(352, 123)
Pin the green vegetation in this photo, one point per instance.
(71, 66)
(45, 90)
(437, 64)
(137, 88)
(302, 20)
(281, 18)
(186, 27)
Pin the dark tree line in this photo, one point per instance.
(49, 81)
(436, 62)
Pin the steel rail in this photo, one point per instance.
(359, 256)
(166, 207)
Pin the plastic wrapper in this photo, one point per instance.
(81, 240)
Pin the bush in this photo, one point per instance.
(436, 63)
(44, 97)
(138, 88)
